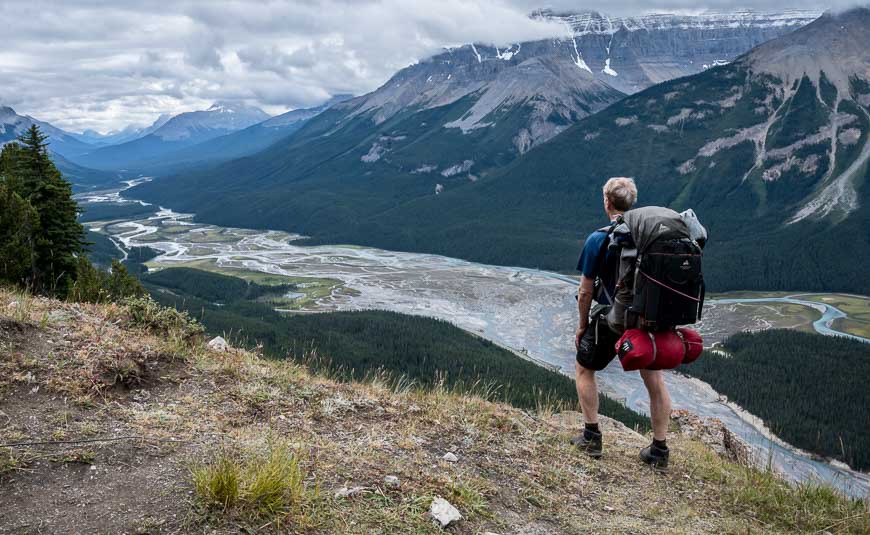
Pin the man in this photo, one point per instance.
(595, 341)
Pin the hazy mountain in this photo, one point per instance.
(128, 133)
(236, 144)
(183, 130)
(771, 150)
(13, 125)
(633, 53)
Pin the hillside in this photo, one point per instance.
(285, 450)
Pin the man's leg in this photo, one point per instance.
(660, 413)
(587, 392)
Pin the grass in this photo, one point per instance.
(807, 507)
(266, 485)
(516, 472)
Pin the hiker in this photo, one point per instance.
(595, 340)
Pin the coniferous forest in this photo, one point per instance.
(811, 390)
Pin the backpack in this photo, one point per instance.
(659, 282)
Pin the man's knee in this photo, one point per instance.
(583, 373)
(654, 381)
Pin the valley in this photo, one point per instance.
(529, 311)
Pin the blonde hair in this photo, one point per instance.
(621, 192)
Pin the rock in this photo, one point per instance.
(218, 344)
(442, 511)
(59, 316)
(391, 481)
(345, 492)
(450, 457)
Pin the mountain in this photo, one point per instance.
(183, 130)
(61, 142)
(237, 144)
(128, 133)
(446, 120)
(771, 150)
(634, 53)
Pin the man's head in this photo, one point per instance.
(620, 194)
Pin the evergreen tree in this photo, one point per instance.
(61, 236)
(19, 230)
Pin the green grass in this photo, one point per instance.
(267, 485)
(782, 506)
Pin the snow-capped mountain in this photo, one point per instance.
(180, 131)
(13, 125)
(633, 53)
(221, 118)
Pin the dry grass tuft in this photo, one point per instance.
(266, 485)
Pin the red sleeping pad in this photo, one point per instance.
(664, 350)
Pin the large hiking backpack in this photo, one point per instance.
(659, 281)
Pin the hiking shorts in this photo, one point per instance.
(597, 345)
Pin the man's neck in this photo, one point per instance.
(614, 215)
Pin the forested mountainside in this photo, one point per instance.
(771, 151)
(809, 389)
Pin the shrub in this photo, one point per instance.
(145, 312)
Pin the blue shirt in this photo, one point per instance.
(588, 263)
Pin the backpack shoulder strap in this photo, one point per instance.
(602, 252)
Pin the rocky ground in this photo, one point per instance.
(120, 419)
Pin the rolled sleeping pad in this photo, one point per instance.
(664, 350)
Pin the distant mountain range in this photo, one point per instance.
(128, 133)
(183, 130)
(770, 149)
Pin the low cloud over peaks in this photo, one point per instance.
(93, 64)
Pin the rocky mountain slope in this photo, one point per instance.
(633, 53)
(103, 401)
(180, 131)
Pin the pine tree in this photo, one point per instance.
(61, 235)
(19, 231)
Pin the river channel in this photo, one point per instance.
(532, 312)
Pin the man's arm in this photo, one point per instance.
(584, 302)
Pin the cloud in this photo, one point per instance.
(102, 64)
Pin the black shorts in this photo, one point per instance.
(597, 346)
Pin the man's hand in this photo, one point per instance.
(581, 330)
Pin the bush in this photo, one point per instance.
(145, 312)
(94, 285)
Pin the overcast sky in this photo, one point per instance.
(103, 64)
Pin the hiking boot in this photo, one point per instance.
(655, 456)
(589, 442)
